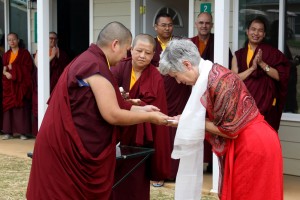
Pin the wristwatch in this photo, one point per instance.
(267, 68)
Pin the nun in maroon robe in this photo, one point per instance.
(17, 93)
(177, 96)
(269, 94)
(74, 156)
(149, 88)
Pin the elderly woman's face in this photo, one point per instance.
(188, 77)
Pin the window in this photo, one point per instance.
(18, 20)
(248, 9)
(177, 21)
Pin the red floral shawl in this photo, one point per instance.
(229, 106)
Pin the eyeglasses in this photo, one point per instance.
(52, 38)
(205, 23)
(165, 25)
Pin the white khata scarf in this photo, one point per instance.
(188, 144)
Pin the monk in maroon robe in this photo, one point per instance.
(16, 80)
(75, 153)
(265, 74)
(177, 94)
(143, 82)
(58, 61)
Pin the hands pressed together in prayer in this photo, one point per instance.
(54, 53)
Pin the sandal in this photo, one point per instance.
(158, 183)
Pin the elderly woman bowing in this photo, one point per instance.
(221, 107)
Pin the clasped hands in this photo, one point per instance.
(257, 61)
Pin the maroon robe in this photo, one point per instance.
(17, 89)
(74, 152)
(177, 96)
(264, 88)
(149, 88)
(57, 66)
(17, 93)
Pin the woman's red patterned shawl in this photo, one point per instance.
(229, 105)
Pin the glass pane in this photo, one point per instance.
(2, 31)
(250, 9)
(18, 19)
(293, 52)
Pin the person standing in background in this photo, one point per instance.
(265, 71)
(177, 94)
(16, 79)
(58, 61)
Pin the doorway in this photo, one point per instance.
(73, 26)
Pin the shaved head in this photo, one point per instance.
(113, 31)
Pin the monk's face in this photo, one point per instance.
(256, 33)
(204, 24)
(12, 40)
(142, 54)
(52, 40)
(164, 28)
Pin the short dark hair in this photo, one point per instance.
(260, 20)
(13, 33)
(159, 15)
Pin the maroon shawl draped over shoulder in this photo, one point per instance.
(65, 164)
(264, 88)
(18, 88)
(149, 88)
(229, 106)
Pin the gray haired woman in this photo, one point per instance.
(220, 105)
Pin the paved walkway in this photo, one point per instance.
(19, 148)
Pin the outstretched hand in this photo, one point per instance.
(150, 108)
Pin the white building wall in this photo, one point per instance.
(289, 134)
(106, 11)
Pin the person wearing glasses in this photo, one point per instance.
(58, 61)
(177, 94)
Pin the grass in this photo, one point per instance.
(14, 173)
